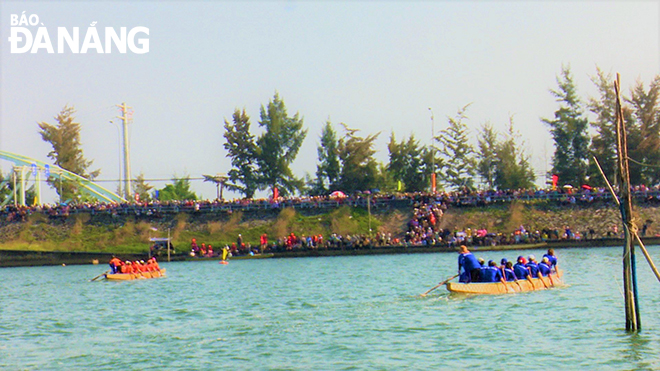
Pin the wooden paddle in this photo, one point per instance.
(542, 280)
(507, 288)
(531, 282)
(102, 274)
(516, 280)
(438, 285)
(552, 282)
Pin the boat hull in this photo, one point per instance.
(135, 276)
(495, 288)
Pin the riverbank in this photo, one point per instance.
(12, 258)
(82, 238)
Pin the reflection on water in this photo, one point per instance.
(637, 346)
(324, 313)
(638, 351)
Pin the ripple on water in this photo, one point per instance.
(326, 313)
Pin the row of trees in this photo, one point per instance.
(575, 147)
(346, 162)
(346, 159)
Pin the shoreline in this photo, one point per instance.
(22, 258)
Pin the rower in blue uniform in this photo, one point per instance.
(509, 274)
(520, 269)
(552, 258)
(468, 265)
(544, 267)
(533, 266)
(492, 273)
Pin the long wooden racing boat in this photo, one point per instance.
(510, 287)
(135, 276)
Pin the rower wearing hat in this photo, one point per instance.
(544, 267)
(552, 258)
(520, 269)
(533, 266)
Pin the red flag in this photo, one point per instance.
(276, 193)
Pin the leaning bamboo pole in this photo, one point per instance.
(654, 269)
(633, 322)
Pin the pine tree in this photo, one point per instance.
(644, 142)
(243, 152)
(407, 164)
(397, 163)
(603, 144)
(67, 153)
(486, 157)
(328, 167)
(141, 188)
(179, 190)
(359, 169)
(459, 166)
(569, 131)
(279, 146)
(512, 168)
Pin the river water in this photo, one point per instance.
(337, 313)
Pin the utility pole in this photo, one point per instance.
(127, 161)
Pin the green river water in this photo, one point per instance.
(337, 313)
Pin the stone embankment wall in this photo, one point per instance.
(599, 217)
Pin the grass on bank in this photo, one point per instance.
(82, 233)
(78, 234)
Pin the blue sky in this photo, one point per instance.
(376, 66)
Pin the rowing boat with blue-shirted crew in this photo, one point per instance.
(508, 287)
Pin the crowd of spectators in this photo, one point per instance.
(461, 198)
(422, 229)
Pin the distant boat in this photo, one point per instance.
(135, 276)
(510, 287)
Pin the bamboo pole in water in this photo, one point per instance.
(654, 269)
(629, 274)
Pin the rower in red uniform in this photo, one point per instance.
(115, 263)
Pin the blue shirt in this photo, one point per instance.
(509, 274)
(492, 274)
(521, 271)
(468, 262)
(552, 259)
(533, 269)
(482, 274)
(544, 269)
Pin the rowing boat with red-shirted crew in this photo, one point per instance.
(127, 270)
